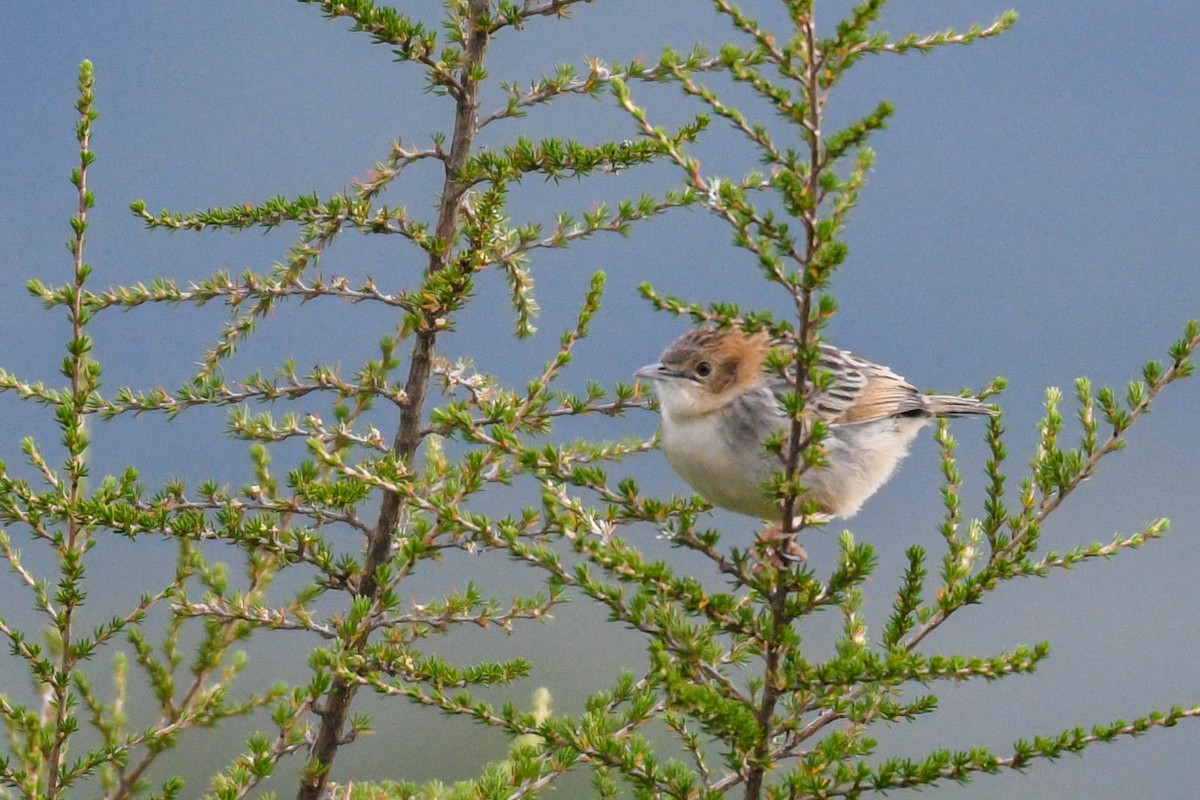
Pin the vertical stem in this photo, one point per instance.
(75, 438)
(777, 600)
(803, 299)
(765, 713)
(335, 710)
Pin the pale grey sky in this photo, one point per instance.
(1032, 214)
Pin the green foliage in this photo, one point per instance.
(728, 701)
(67, 517)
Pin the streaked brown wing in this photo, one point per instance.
(861, 391)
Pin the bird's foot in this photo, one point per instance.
(781, 549)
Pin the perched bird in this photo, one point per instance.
(719, 405)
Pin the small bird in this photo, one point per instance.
(719, 405)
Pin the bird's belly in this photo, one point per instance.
(861, 457)
(725, 478)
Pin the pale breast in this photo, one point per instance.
(723, 461)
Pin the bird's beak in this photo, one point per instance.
(653, 372)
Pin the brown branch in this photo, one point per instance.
(336, 709)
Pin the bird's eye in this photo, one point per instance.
(704, 369)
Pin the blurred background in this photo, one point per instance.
(1031, 214)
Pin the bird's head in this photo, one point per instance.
(703, 370)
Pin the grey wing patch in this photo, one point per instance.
(756, 414)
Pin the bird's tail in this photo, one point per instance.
(948, 405)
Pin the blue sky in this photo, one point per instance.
(1032, 214)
